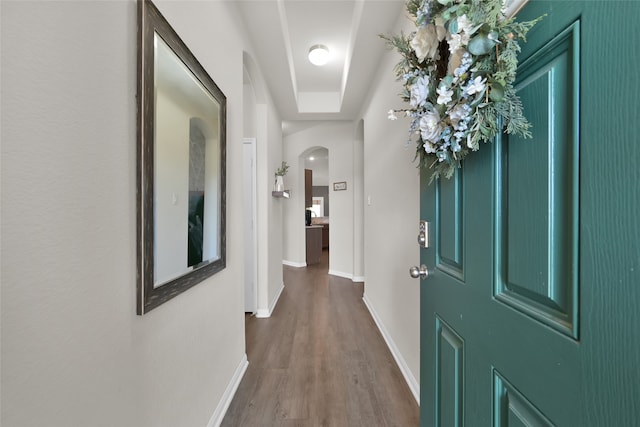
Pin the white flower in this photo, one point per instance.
(476, 85)
(419, 92)
(444, 95)
(458, 113)
(457, 41)
(430, 129)
(392, 115)
(425, 42)
(464, 24)
(429, 147)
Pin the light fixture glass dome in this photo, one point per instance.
(318, 54)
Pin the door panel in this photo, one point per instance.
(531, 312)
(449, 375)
(449, 224)
(537, 249)
(512, 409)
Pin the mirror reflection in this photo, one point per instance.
(186, 173)
(181, 166)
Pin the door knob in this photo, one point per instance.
(420, 272)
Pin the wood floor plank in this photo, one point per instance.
(320, 360)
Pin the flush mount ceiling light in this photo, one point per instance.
(318, 54)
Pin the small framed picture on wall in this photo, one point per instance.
(339, 186)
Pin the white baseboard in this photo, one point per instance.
(413, 384)
(262, 313)
(294, 264)
(227, 397)
(347, 276)
(341, 274)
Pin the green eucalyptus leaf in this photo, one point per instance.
(453, 26)
(480, 45)
(497, 92)
(453, 9)
(445, 2)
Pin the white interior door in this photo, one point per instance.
(249, 221)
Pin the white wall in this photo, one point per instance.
(266, 127)
(73, 350)
(338, 138)
(276, 223)
(270, 216)
(391, 185)
(358, 203)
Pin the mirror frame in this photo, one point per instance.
(151, 21)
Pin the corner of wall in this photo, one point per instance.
(264, 313)
(229, 393)
(412, 382)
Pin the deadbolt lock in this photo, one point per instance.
(423, 235)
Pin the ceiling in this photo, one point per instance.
(282, 31)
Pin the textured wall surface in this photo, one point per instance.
(73, 350)
(391, 216)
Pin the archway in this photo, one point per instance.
(315, 162)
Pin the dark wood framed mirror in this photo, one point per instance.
(181, 165)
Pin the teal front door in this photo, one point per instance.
(530, 315)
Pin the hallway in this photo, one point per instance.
(320, 360)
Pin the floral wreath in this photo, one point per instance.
(458, 70)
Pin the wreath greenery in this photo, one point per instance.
(458, 68)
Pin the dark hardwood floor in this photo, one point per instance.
(320, 360)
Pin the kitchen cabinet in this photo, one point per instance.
(325, 236)
(314, 243)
